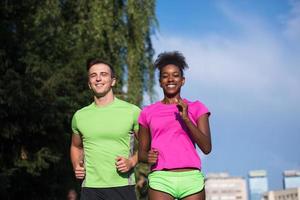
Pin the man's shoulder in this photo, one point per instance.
(123, 103)
(84, 109)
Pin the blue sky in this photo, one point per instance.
(244, 59)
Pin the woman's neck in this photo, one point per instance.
(171, 100)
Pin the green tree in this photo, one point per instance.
(44, 46)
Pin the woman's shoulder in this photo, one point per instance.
(194, 103)
(151, 106)
(196, 106)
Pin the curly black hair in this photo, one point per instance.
(173, 57)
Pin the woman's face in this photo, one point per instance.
(171, 80)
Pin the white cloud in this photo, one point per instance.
(256, 63)
(292, 22)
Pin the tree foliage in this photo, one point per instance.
(44, 47)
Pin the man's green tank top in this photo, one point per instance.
(107, 132)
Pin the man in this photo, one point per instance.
(103, 138)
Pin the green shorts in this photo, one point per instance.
(177, 184)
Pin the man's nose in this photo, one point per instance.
(98, 78)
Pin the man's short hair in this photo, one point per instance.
(93, 61)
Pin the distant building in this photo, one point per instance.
(291, 179)
(258, 184)
(287, 194)
(221, 186)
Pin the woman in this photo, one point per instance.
(169, 130)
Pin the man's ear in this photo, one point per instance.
(89, 85)
(114, 81)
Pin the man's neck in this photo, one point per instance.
(105, 100)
